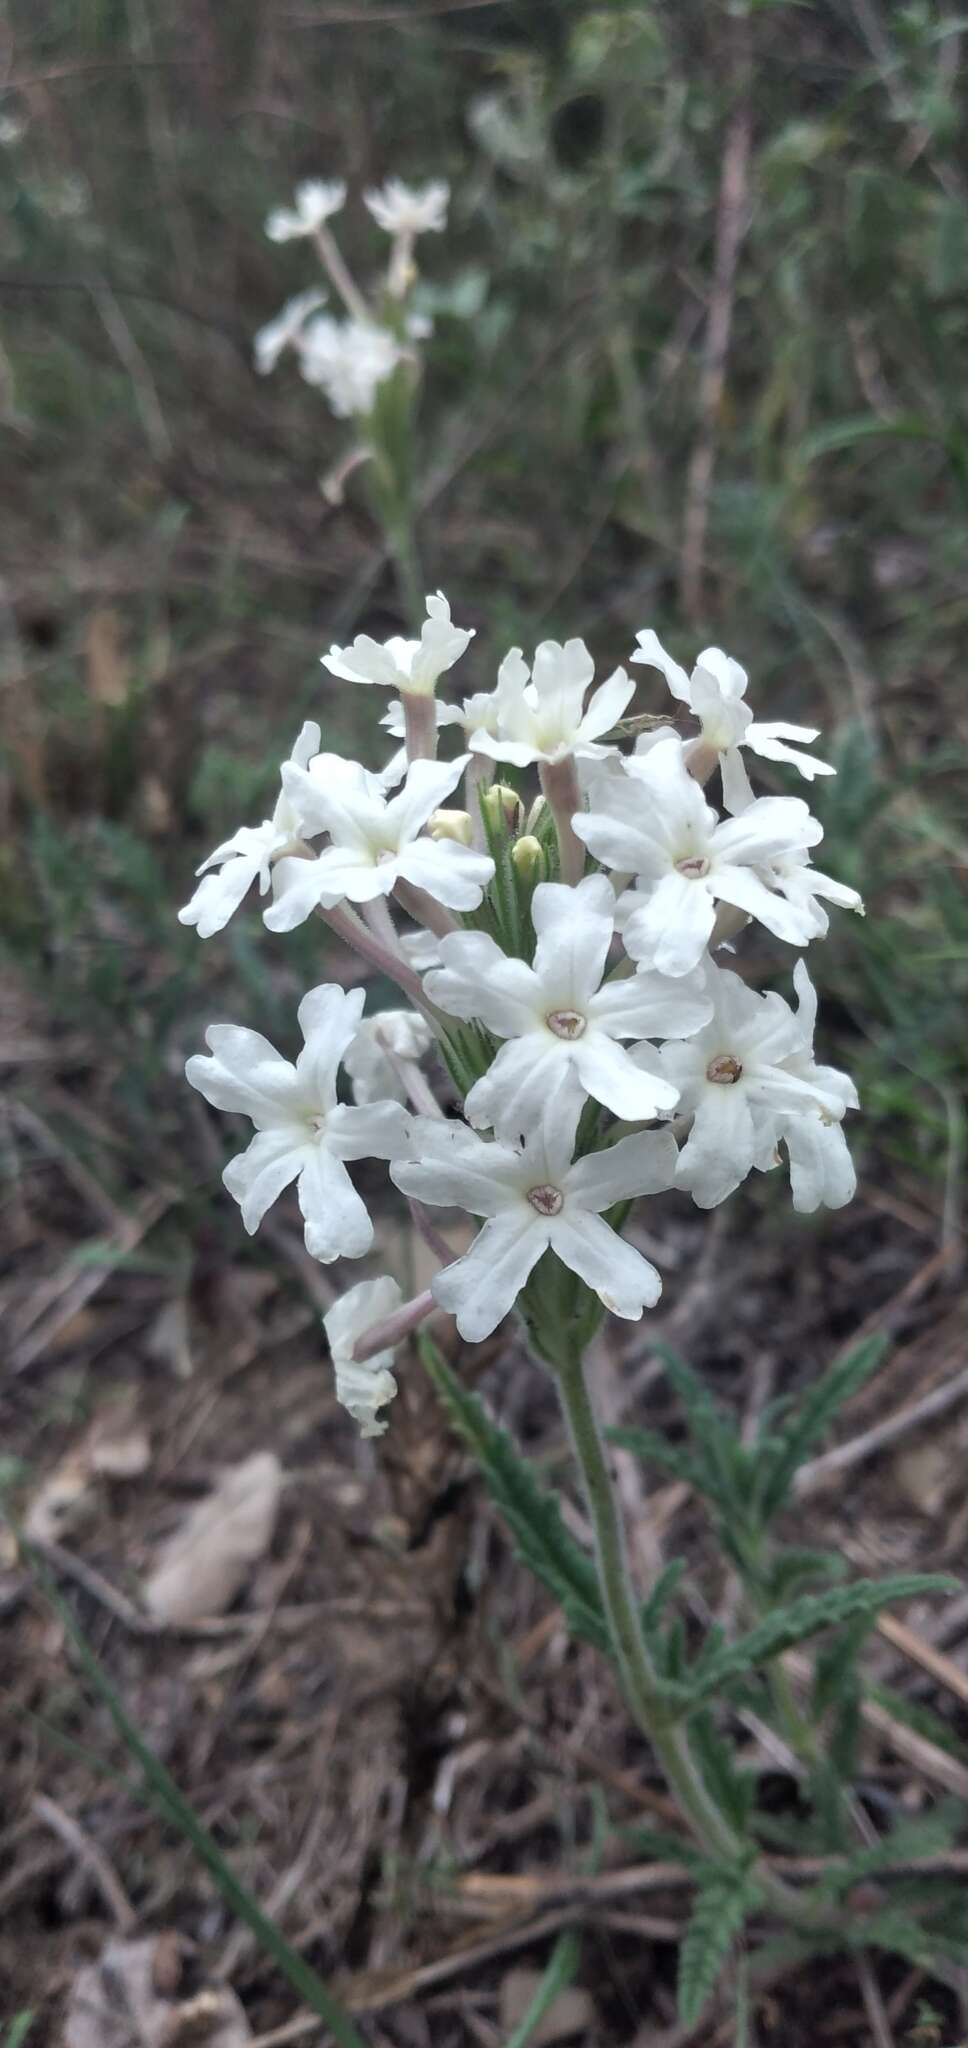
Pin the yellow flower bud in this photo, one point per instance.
(528, 856)
(450, 825)
(502, 808)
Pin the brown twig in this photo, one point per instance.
(731, 221)
(913, 1646)
(90, 1856)
(859, 1448)
(874, 2005)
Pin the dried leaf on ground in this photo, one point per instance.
(207, 1561)
(124, 2000)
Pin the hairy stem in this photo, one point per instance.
(559, 781)
(670, 1743)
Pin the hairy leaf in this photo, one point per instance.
(648, 1444)
(532, 1515)
(720, 1907)
(805, 1617)
(813, 1418)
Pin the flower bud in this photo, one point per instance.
(450, 825)
(537, 815)
(502, 808)
(530, 860)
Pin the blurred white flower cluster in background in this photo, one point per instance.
(349, 354)
(578, 1033)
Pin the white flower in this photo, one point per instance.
(561, 1026)
(420, 950)
(373, 1077)
(302, 1133)
(362, 1389)
(409, 209)
(716, 692)
(654, 822)
(746, 1079)
(802, 884)
(411, 665)
(316, 200)
(374, 840)
(348, 360)
(821, 1168)
(535, 1197)
(478, 713)
(247, 855)
(544, 718)
(281, 332)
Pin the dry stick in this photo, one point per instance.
(914, 1647)
(92, 1858)
(844, 1456)
(874, 2005)
(730, 229)
(72, 1289)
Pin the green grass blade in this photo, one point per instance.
(176, 1809)
(560, 1972)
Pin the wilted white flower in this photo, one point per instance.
(561, 1026)
(535, 1196)
(747, 1079)
(716, 693)
(348, 360)
(404, 1034)
(397, 664)
(542, 711)
(409, 209)
(362, 1389)
(317, 199)
(302, 1133)
(654, 822)
(283, 331)
(248, 855)
(376, 840)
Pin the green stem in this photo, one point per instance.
(670, 1742)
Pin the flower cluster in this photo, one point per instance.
(350, 355)
(568, 957)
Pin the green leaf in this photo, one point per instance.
(720, 1907)
(813, 1420)
(833, 1675)
(805, 1617)
(734, 1790)
(654, 1607)
(532, 1515)
(560, 1972)
(176, 1809)
(18, 2029)
(649, 1445)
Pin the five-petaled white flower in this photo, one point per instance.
(348, 360)
(747, 1079)
(248, 854)
(561, 1026)
(654, 822)
(362, 1388)
(316, 200)
(535, 1197)
(542, 711)
(794, 875)
(369, 1061)
(410, 209)
(411, 665)
(716, 693)
(302, 1133)
(376, 841)
(284, 331)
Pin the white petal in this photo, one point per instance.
(821, 1168)
(737, 787)
(606, 705)
(371, 1130)
(608, 1075)
(671, 929)
(767, 741)
(218, 896)
(618, 1274)
(427, 786)
(298, 888)
(245, 1073)
(337, 1224)
(478, 980)
(451, 1167)
(718, 1153)
(257, 1176)
(650, 1005)
(643, 1164)
(482, 1287)
(768, 828)
(741, 887)
(652, 653)
(452, 874)
(329, 1019)
(513, 1094)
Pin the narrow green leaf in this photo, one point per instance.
(176, 1809)
(813, 1418)
(806, 1617)
(719, 1910)
(532, 1515)
(18, 2029)
(653, 1448)
(560, 1972)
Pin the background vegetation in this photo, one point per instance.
(700, 320)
